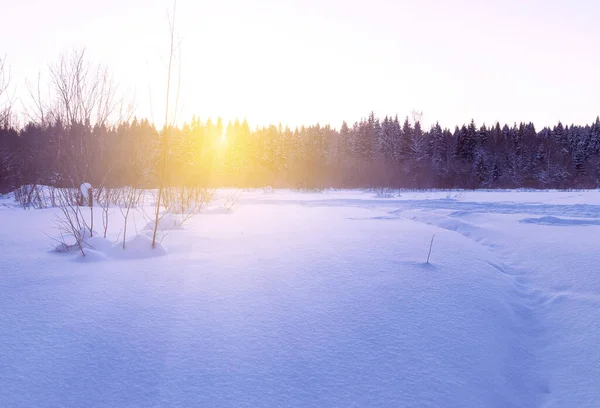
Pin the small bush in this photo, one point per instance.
(385, 192)
(231, 199)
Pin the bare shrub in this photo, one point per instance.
(105, 201)
(71, 221)
(186, 201)
(455, 195)
(385, 192)
(52, 197)
(310, 189)
(32, 196)
(130, 196)
(231, 199)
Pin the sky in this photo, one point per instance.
(306, 61)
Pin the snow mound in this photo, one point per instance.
(92, 242)
(91, 256)
(147, 232)
(167, 222)
(99, 243)
(138, 247)
(86, 234)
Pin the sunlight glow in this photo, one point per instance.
(299, 63)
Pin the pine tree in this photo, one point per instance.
(406, 136)
(386, 143)
(437, 151)
(396, 136)
(418, 146)
(594, 145)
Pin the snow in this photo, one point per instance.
(312, 299)
(85, 189)
(90, 255)
(560, 221)
(218, 210)
(85, 233)
(139, 246)
(166, 222)
(98, 243)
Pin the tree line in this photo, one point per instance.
(370, 153)
(83, 132)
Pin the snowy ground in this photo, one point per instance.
(323, 300)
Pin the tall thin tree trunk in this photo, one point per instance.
(163, 162)
(91, 205)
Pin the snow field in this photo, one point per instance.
(313, 300)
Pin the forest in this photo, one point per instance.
(370, 153)
(79, 134)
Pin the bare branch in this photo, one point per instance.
(5, 102)
(84, 93)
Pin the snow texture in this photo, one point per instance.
(90, 255)
(85, 233)
(218, 210)
(560, 221)
(314, 300)
(98, 243)
(166, 222)
(138, 247)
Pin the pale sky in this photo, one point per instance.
(307, 61)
